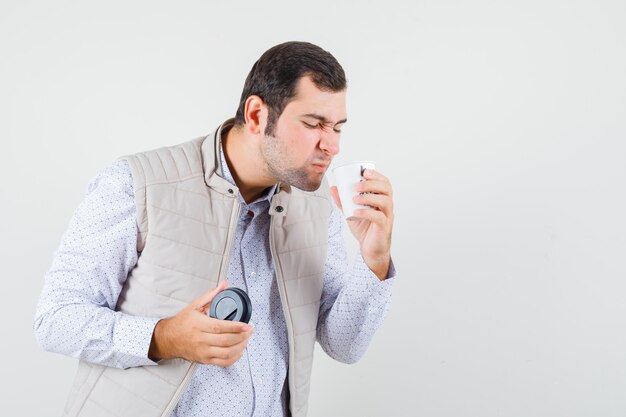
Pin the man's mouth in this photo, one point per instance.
(321, 167)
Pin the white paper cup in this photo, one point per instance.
(346, 178)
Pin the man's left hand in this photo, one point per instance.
(372, 227)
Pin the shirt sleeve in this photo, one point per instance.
(76, 311)
(354, 301)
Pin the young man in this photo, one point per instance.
(160, 232)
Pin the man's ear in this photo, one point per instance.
(255, 115)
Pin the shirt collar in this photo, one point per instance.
(267, 194)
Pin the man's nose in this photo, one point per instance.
(329, 142)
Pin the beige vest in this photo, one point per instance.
(186, 218)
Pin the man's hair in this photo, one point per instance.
(275, 75)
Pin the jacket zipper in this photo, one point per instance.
(283, 298)
(223, 268)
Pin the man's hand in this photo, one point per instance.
(372, 228)
(193, 335)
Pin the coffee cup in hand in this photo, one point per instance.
(346, 178)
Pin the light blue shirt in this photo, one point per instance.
(75, 313)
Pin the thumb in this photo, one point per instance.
(205, 299)
(335, 194)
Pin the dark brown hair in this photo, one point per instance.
(276, 73)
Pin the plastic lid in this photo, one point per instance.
(231, 304)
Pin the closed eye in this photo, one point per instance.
(319, 126)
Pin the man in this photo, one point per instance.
(160, 232)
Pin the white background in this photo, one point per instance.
(500, 124)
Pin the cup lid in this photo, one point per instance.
(231, 304)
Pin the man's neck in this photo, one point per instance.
(244, 164)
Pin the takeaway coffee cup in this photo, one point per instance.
(346, 178)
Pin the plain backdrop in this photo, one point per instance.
(500, 124)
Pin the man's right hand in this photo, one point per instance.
(193, 335)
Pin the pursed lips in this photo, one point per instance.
(321, 166)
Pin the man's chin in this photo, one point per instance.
(311, 185)
(312, 188)
(302, 179)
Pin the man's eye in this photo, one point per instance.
(319, 126)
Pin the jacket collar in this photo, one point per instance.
(214, 176)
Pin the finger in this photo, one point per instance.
(378, 201)
(224, 363)
(237, 345)
(224, 356)
(205, 299)
(372, 174)
(225, 339)
(211, 325)
(230, 353)
(374, 186)
(335, 194)
(374, 216)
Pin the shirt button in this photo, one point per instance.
(279, 209)
(252, 274)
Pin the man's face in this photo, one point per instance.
(306, 136)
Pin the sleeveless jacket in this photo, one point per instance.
(186, 218)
